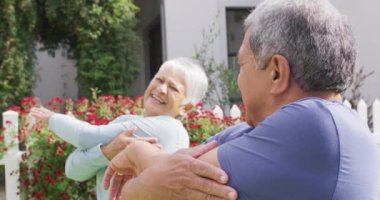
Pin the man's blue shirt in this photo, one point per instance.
(309, 149)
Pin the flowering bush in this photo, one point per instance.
(202, 124)
(42, 168)
(8, 136)
(3, 147)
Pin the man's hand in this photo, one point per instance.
(41, 114)
(120, 142)
(181, 176)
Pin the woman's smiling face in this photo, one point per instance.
(166, 93)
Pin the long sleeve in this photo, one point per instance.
(83, 164)
(84, 135)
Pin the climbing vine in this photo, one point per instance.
(100, 35)
(17, 24)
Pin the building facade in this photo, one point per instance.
(179, 28)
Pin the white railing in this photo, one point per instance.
(12, 158)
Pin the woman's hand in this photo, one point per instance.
(129, 163)
(41, 114)
(122, 141)
(120, 170)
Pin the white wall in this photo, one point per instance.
(185, 20)
(56, 76)
(364, 17)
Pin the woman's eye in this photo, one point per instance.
(174, 88)
(159, 80)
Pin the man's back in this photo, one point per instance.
(359, 158)
(310, 149)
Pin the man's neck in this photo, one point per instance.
(326, 95)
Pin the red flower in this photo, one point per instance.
(48, 179)
(15, 108)
(56, 174)
(49, 140)
(57, 99)
(59, 151)
(194, 143)
(39, 195)
(26, 183)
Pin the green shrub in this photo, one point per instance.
(99, 35)
(17, 23)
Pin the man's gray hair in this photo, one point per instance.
(195, 78)
(314, 37)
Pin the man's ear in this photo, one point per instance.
(280, 74)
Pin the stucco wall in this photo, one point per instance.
(364, 17)
(56, 76)
(185, 20)
(182, 25)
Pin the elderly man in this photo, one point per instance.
(300, 142)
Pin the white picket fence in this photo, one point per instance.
(12, 158)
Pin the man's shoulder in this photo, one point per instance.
(309, 111)
(231, 133)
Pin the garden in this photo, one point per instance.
(42, 173)
(101, 36)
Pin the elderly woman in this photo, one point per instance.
(178, 85)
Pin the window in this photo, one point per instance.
(235, 34)
(235, 22)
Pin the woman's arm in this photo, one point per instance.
(82, 134)
(82, 165)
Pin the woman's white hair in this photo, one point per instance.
(195, 78)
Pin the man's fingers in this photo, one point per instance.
(209, 171)
(107, 177)
(196, 194)
(210, 180)
(202, 149)
(211, 188)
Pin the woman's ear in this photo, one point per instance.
(280, 73)
(186, 108)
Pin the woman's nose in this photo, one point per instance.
(162, 88)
